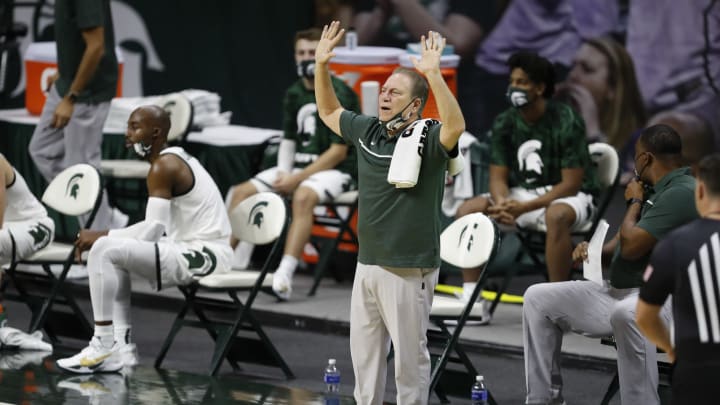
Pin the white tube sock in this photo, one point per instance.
(105, 334)
(288, 264)
(468, 289)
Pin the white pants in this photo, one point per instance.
(551, 309)
(163, 264)
(30, 236)
(327, 184)
(581, 203)
(391, 304)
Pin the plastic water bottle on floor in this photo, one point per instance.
(479, 394)
(332, 383)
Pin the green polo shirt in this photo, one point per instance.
(671, 204)
(535, 154)
(71, 18)
(312, 137)
(396, 227)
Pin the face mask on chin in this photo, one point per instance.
(141, 149)
(396, 122)
(517, 97)
(306, 69)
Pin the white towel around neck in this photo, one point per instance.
(407, 156)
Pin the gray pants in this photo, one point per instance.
(391, 304)
(551, 309)
(54, 150)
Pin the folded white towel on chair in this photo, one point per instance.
(463, 186)
(459, 186)
(407, 156)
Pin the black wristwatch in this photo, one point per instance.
(632, 201)
(72, 96)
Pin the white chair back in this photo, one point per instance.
(74, 191)
(469, 241)
(607, 161)
(259, 219)
(181, 115)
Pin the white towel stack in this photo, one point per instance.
(121, 108)
(206, 109)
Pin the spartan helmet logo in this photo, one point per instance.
(529, 159)
(41, 235)
(73, 185)
(307, 122)
(470, 238)
(256, 216)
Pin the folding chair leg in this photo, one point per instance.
(509, 275)
(323, 262)
(328, 250)
(612, 389)
(39, 318)
(224, 343)
(271, 347)
(177, 324)
(441, 394)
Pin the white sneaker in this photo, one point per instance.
(282, 285)
(19, 359)
(128, 354)
(474, 320)
(93, 359)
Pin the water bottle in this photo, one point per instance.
(332, 377)
(332, 384)
(479, 394)
(351, 39)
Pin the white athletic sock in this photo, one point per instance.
(122, 334)
(288, 264)
(105, 334)
(468, 289)
(242, 255)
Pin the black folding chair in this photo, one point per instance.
(607, 164)
(260, 219)
(664, 371)
(469, 242)
(76, 191)
(339, 222)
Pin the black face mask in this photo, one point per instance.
(306, 69)
(639, 174)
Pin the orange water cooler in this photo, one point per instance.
(365, 63)
(40, 65)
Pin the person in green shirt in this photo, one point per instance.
(541, 174)
(70, 129)
(398, 228)
(658, 201)
(314, 166)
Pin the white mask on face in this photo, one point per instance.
(141, 149)
(398, 120)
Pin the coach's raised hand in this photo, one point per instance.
(331, 35)
(431, 50)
